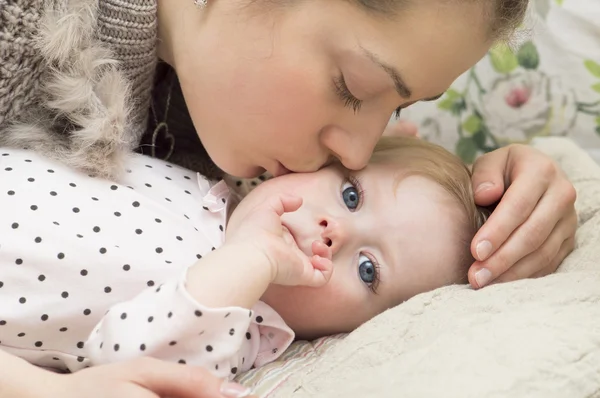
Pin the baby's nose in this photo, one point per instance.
(332, 234)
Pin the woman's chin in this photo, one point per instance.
(241, 171)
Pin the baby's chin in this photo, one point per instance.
(288, 302)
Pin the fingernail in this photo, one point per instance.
(234, 390)
(483, 277)
(483, 249)
(484, 187)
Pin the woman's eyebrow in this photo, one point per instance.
(392, 72)
(433, 98)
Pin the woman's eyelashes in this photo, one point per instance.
(397, 112)
(368, 272)
(346, 95)
(350, 100)
(352, 193)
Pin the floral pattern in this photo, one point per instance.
(513, 96)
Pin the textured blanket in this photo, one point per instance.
(532, 338)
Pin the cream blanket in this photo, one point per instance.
(532, 338)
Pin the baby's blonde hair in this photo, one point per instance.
(418, 157)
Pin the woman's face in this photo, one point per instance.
(292, 88)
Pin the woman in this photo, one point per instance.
(274, 86)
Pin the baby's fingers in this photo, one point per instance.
(280, 204)
(322, 266)
(322, 250)
(321, 271)
(289, 204)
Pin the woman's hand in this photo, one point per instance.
(401, 128)
(143, 378)
(262, 228)
(533, 227)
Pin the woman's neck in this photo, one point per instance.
(176, 20)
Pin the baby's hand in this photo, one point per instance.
(262, 229)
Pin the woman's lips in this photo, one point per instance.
(280, 170)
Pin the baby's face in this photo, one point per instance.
(389, 241)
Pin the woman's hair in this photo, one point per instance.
(418, 157)
(504, 16)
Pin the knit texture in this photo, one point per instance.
(21, 66)
(129, 29)
(76, 84)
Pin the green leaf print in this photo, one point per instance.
(598, 121)
(472, 124)
(593, 67)
(466, 149)
(560, 2)
(445, 104)
(479, 139)
(528, 56)
(452, 94)
(453, 101)
(503, 59)
(596, 87)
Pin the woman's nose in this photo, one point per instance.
(352, 149)
(333, 234)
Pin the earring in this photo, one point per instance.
(201, 3)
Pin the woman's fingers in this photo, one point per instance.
(488, 178)
(564, 251)
(401, 128)
(539, 200)
(515, 208)
(176, 381)
(545, 259)
(526, 268)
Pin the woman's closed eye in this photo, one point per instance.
(350, 100)
(352, 193)
(368, 272)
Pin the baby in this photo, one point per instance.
(93, 272)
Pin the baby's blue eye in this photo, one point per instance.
(366, 270)
(351, 197)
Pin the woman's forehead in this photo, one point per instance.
(423, 48)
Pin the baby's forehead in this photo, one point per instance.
(407, 180)
(422, 212)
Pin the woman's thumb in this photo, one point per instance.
(185, 381)
(488, 177)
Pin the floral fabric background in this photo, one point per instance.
(546, 84)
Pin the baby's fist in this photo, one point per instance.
(262, 228)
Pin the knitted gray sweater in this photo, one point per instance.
(76, 83)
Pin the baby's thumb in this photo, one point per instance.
(290, 203)
(322, 269)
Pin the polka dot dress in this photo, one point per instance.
(93, 271)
